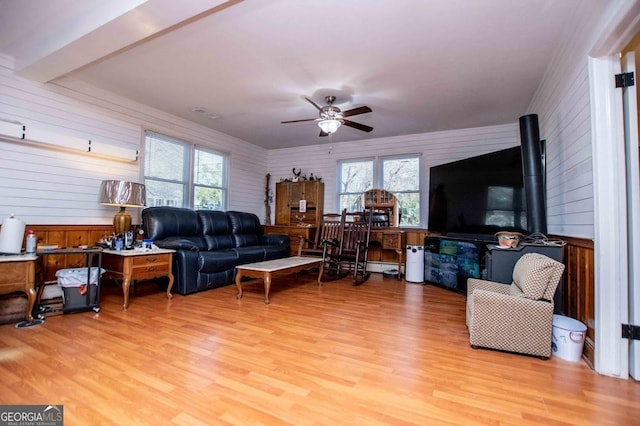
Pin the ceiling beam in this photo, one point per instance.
(105, 30)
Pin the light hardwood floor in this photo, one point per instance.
(384, 353)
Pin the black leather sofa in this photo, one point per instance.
(210, 244)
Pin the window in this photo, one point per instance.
(179, 174)
(355, 177)
(399, 175)
(209, 180)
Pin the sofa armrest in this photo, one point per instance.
(274, 239)
(477, 284)
(177, 244)
(515, 308)
(185, 271)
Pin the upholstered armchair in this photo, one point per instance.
(517, 317)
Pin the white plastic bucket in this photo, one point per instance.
(568, 338)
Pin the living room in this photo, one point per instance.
(55, 186)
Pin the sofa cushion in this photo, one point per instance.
(216, 229)
(217, 261)
(534, 273)
(162, 222)
(173, 228)
(246, 228)
(515, 291)
(276, 251)
(250, 254)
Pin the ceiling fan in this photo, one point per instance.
(331, 117)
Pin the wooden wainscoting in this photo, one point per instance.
(12, 306)
(414, 237)
(578, 288)
(67, 236)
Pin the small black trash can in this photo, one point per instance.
(80, 287)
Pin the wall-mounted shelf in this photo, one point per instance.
(19, 133)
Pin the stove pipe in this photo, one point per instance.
(533, 174)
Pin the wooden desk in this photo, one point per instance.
(18, 273)
(391, 239)
(131, 265)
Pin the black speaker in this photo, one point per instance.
(533, 174)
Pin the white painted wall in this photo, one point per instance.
(50, 187)
(562, 103)
(43, 186)
(435, 148)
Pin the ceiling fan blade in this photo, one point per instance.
(358, 126)
(356, 111)
(298, 121)
(314, 104)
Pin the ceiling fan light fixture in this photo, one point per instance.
(329, 125)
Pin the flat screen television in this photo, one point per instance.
(478, 196)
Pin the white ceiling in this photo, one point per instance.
(421, 65)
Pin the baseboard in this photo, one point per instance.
(381, 266)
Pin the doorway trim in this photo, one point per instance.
(610, 225)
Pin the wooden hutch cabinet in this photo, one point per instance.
(288, 196)
(383, 201)
(289, 218)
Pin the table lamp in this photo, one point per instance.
(122, 194)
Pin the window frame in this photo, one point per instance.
(339, 177)
(377, 163)
(225, 176)
(188, 169)
(417, 191)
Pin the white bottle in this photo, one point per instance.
(31, 242)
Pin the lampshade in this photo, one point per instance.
(329, 125)
(122, 194)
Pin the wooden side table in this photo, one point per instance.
(132, 265)
(18, 273)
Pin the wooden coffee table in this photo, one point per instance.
(269, 268)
